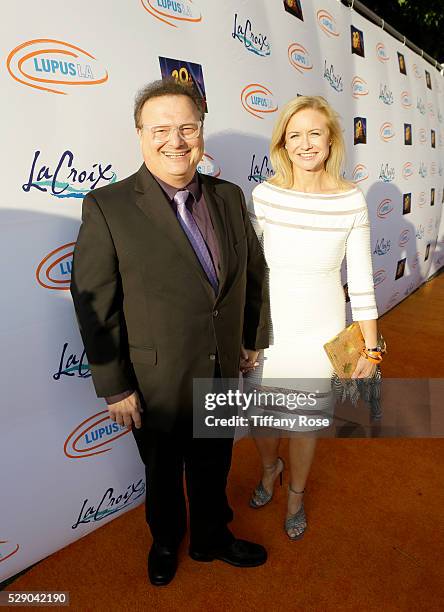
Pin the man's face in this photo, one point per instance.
(175, 160)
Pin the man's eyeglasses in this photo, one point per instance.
(162, 133)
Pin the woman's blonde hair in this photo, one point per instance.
(282, 166)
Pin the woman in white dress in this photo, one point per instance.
(308, 217)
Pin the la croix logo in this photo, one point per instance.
(359, 87)
(72, 365)
(65, 180)
(299, 58)
(170, 11)
(7, 549)
(94, 436)
(256, 42)
(54, 271)
(110, 503)
(208, 165)
(258, 100)
(54, 66)
(327, 23)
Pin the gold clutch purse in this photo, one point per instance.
(345, 349)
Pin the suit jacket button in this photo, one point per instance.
(212, 356)
(215, 313)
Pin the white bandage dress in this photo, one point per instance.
(305, 237)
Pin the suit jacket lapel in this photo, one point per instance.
(153, 202)
(216, 208)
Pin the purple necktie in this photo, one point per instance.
(190, 228)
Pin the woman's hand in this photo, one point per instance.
(364, 368)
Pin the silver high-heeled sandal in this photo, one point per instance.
(261, 496)
(297, 521)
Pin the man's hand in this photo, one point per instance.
(127, 411)
(248, 360)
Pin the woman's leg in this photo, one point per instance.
(268, 450)
(301, 452)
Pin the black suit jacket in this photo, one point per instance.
(147, 313)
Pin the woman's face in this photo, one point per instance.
(307, 140)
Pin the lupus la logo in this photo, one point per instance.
(385, 94)
(422, 136)
(258, 100)
(421, 106)
(54, 65)
(406, 100)
(417, 72)
(432, 168)
(384, 208)
(387, 173)
(360, 173)
(382, 247)
(110, 503)
(171, 11)
(422, 170)
(54, 271)
(260, 171)
(94, 436)
(335, 80)
(65, 180)
(257, 43)
(387, 132)
(404, 237)
(379, 277)
(359, 87)
(7, 549)
(407, 170)
(381, 53)
(327, 23)
(422, 199)
(299, 58)
(72, 365)
(208, 165)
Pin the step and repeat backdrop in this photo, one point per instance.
(68, 74)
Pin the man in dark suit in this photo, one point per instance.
(169, 285)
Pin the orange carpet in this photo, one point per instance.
(374, 508)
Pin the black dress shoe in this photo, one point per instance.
(162, 564)
(238, 552)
